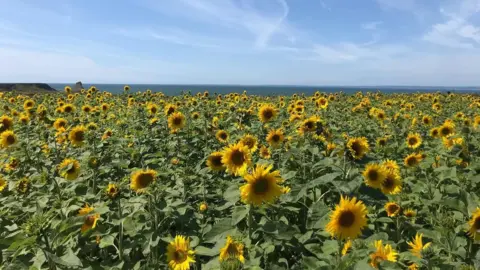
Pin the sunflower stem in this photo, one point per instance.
(250, 223)
(120, 233)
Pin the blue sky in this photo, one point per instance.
(301, 42)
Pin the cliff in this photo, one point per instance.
(26, 87)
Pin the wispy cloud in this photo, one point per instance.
(371, 25)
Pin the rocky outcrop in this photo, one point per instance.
(26, 87)
(78, 87)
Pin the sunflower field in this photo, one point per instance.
(93, 180)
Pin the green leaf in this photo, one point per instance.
(239, 213)
(232, 194)
(384, 220)
(220, 230)
(106, 241)
(330, 246)
(201, 250)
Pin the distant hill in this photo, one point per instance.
(26, 87)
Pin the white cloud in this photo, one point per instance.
(371, 25)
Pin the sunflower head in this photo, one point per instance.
(86, 108)
(179, 254)
(214, 161)
(446, 130)
(275, 138)
(266, 113)
(264, 152)
(23, 186)
(374, 175)
(176, 121)
(382, 253)
(409, 213)
(236, 158)
(77, 135)
(414, 140)
(3, 183)
(141, 179)
(427, 120)
(412, 160)
(392, 209)
(169, 109)
(112, 191)
(416, 246)
(474, 224)
(382, 141)
(358, 147)
(90, 222)
(392, 183)
(434, 133)
(8, 138)
(232, 252)
(262, 186)
(250, 141)
(86, 209)
(348, 219)
(69, 169)
(6, 123)
(68, 108)
(203, 207)
(222, 136)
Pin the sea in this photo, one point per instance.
(266, 90)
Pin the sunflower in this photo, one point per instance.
(152, 108)
(107, 134)
(308, 125)
(427, 120)
(264, 152)
(195, 115)
(3, 183)
(112, 190)
(250, 141)
(416, 246)
(391, 165)
(214, 161)
(8, 138)
(24, 118)
(126, 88)
(86, 108)
(266, 113)
(346, 247)
(262, 186)
(68, 108)
(476, 121)
(392, 183)
(69, 169)
(141, 179)
(203, 207)
(77, 135)
(90, 222)
(176, 121)
(412, 160)
(409, 213)
(85, 210)
(92, 126)
(28, 104)
(169, 109)
(23, 186)
(434, 133)
(105, 107)
(322, 103)
(474, 223)
(446, 130)
(392, 209)
(222, 136)
(374, 175)
(414, 140)
(382, 141)
(6, 123)
(232, 250)
(275, 138)
(348, 219)
(382, 253)
(179, 254)
(358, 147)
(67, 89)
(236, 158)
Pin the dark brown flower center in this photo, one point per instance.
(170, 110)
(393, 208)
(10, 139)
(261, 186)
(411, 161)
(179, 256)
(144, 180)
(357, 148)
(238, 158)
(267, 114)
(177, 121)
(68, 109)
(217, 161)
(71, 170)
(412, 141)
(89, 220)
(389, 183)
(276, 138)
(232, 250)
(79, 135)
(373, 175)
(346, 219)
(223, 135)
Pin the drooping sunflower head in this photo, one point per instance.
(416, 246)
(266, 113)
(222, 136)
(411, 160)
(382, 253)
(179, 254)
(6, 123)
(434, 133)
(392, 209)
(85, 210)
(214, 161)
(169, 109)
(3, 183)
(69, 169)
(374, 175)
(348, 219)
(23, 186)
(107, 134)
(275, 138)
(68, 108)
(410, 213)
(176, 121)
(112, 190)
(232, 251)
(414, 140)
(391, 165)
(90, 222)
(474, 224)
(264, 152)
(8, 138)
(141, 179)
(250, 141)
(262, 186)
(77, 135)
(358, 147)
(236, 158)
(427, 120)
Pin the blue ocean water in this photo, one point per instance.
(176, 89)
